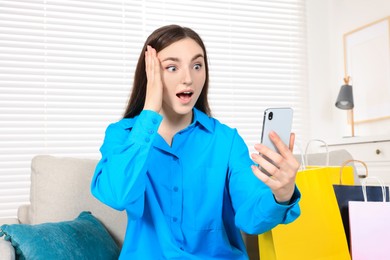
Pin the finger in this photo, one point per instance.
(284, 151)
(275, 157)
(280, 145)
(265, 151)
(157, 64)
(148, 61)
(267, 180)
(290, 156)
(152, 61)
(292, 141)
(265, 164)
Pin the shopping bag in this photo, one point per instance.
(318, 233)
(333, 173)
(370, 227)
(346, 193)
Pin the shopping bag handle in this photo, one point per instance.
(326, 147)
(349, 161)
(303, 163)
(364, 185)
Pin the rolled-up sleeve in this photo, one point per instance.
(119, 178)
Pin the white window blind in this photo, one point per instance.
(66, 69)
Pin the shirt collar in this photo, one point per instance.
(203, 119)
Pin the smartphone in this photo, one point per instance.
(280, 121)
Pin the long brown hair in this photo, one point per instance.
(160, 39)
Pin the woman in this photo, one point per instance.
(185, 180)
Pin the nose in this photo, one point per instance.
(187, 77)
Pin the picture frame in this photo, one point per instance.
(367, 63)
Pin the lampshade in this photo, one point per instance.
(345, 97)
(345, 101)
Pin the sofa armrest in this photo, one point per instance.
(9, 221)
(24, 214)
(7, 252)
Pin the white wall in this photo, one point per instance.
(328, 21)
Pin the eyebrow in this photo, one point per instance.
(177, 59)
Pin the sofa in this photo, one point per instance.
(60, 190)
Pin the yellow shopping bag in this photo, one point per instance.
(334, 174)
(318, 233)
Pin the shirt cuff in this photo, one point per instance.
(294, 198)
(268, 208)
(146, 127)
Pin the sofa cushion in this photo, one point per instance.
(60, 190)
(7, 252)
(82, 238)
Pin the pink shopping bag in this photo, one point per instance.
(370, 228)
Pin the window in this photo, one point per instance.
(66, 69)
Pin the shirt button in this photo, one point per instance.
(151, 131)
(147, 139)
(175, 189)
(154, 121)
(174, 219)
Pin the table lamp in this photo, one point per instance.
(345, 101)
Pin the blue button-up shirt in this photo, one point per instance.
(188, 200)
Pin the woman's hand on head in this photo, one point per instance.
(154, 87)
(282, 171)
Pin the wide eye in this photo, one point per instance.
(171, 68)
(197, 66)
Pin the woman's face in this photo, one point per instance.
(183, 76)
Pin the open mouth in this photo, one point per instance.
(185, 95)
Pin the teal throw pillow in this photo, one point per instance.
(82, 238)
